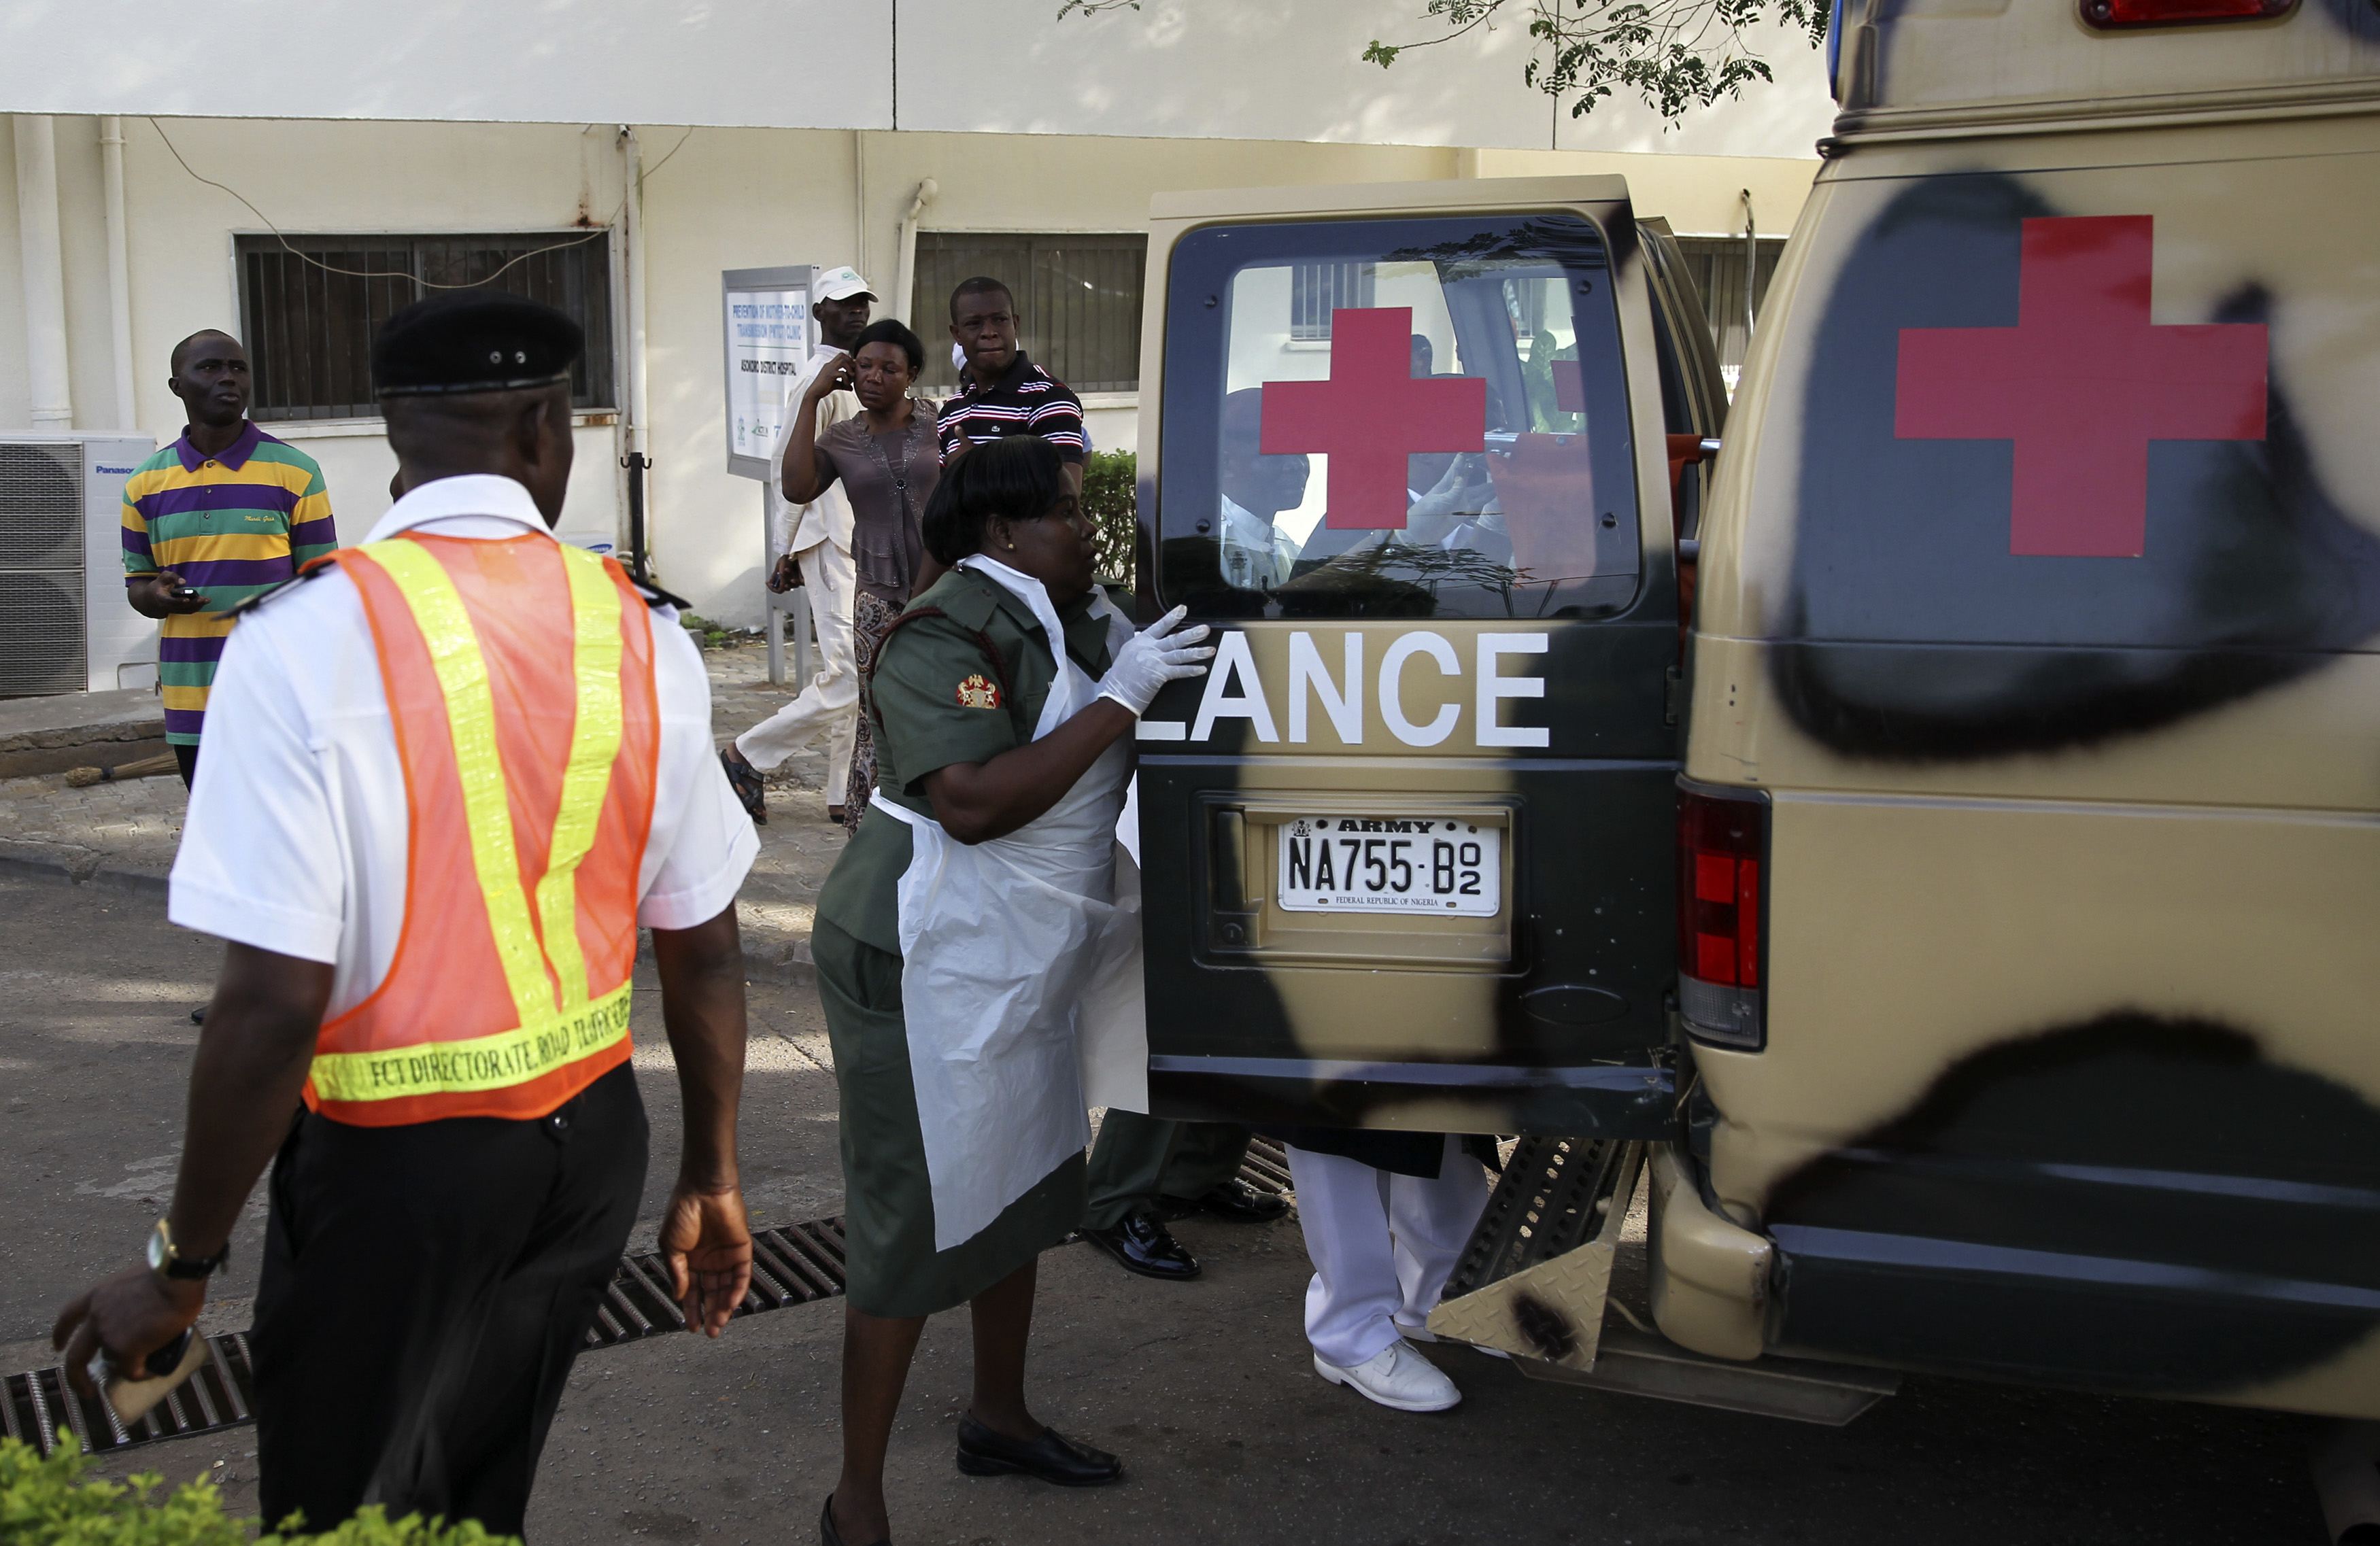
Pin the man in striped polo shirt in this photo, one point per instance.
(224, 513)
(1006, 393)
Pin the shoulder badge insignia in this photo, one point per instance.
(977, 692)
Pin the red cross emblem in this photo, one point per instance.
(2081, 385)
(1371, 414)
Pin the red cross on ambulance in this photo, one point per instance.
(2081, 385)
(1370, 416)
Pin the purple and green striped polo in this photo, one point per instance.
(231, 526)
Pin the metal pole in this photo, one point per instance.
(802, 619)
(770, 600)
(632, 176)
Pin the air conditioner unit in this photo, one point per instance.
(64, 626)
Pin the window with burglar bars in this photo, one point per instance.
(310, 306)
(1077, 302)
(1316, 290)
(1719, 265)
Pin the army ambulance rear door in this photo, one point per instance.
(1408, 848)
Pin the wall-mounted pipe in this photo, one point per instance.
(1750, 266)
(48, 388)
(905, 280)
(633, 431)
(119, 272)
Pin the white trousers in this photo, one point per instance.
(1382, 1246)
(829, 706)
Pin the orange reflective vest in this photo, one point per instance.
(529, 765)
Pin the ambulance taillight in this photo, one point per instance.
(2111, 14)
(1722, 852)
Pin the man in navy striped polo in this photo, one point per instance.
(1006, 393)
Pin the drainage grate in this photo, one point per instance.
(798, 1264)
(1267, 1166)
(40, 1407)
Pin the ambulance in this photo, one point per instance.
(1923, 818)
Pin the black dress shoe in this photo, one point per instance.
(1141, 1244)
(828, 1534)
(1237, 1202)
(1054, 1457)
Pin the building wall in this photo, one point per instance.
(714, 198)
(1232, 70)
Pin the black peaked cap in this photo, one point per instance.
(473, 341)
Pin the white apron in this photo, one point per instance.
(1005, 946)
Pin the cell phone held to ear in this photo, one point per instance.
(130, 1395)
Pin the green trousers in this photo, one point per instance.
(1139, 1159)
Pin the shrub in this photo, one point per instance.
(1109, 500)
(51, 1503)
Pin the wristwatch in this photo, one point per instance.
(168, 1262)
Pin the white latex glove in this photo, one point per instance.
(1154, 657)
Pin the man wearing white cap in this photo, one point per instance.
(814, 544)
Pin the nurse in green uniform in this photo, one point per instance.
(961, 941)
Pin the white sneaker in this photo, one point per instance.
(1396, 1377)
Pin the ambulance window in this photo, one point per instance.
(1414, 418)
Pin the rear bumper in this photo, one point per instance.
(1710, 1275)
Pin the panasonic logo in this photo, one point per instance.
(116, 472)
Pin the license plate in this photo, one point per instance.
(1391, 864)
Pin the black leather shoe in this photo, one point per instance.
(1141, 1244)
(1234, 1201)
(1054, 1457)
(828, 1534)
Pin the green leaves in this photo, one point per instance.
(52, 1503)
(1673, 54)
(1110, 500)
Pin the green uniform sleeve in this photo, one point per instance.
(940, 701)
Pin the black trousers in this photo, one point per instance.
(1140, 1160)
(187, 759)
(425, 1291)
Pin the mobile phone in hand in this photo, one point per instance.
(132, 1395)
(185, 593)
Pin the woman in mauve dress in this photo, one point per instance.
(886, 460)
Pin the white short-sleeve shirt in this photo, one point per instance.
(295, 837)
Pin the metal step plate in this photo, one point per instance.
(1804, 1390)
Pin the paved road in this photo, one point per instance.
(1203, 1388)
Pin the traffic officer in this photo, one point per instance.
(452, 771)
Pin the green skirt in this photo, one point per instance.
(887, 1208)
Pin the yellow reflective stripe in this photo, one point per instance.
(587, 777)
(554, 1040)
(462, 672)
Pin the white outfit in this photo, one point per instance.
(819, 535)
(1257, 555)
(1382, 1246)
(1004, 946)
(296, 840)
